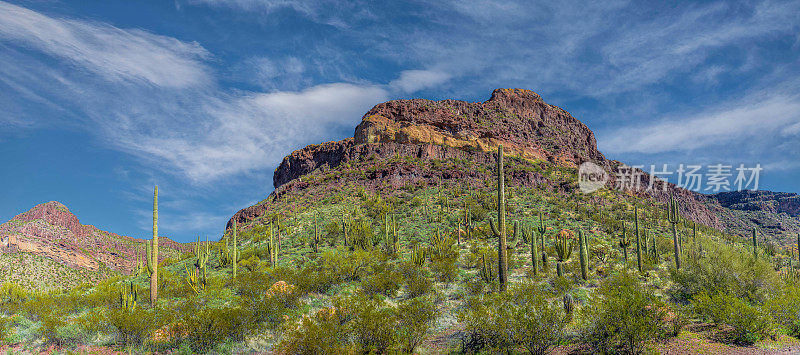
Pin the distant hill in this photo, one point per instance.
(47, 247)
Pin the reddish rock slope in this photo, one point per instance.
(50, 230)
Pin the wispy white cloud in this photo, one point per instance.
(155, 97)
(116, 54)
(250, 132)
(728, 124)
(416, 80)
(329, 12)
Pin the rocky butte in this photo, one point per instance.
(536, 135)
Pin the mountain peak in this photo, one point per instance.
(512, 96)
(518, 119)
(53, 213)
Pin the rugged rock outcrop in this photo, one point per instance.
(519, 119)
(50, 230)
(775, 202)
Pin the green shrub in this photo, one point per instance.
(444, 269)
(385, 281)
(360, 324)
(136, 326)
(5, 333)
(784, 306)
(322, 333)
(525, 316)
(12, 297)
(372, 325)
(205, 327)
(418, 285)
(415, 318)
(749, 322)
(623, 315)
(725, 269)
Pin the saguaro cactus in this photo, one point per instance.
(500, 229)
(152, 252)
(564, 246)
(315, 239)
(584, 255)
(235, 251)
(390, 239)
(638, 240)
(624, 242)
(569, 306)
(528, 235)
(674, 217)
(755, 243)
(486, 271)
(272, 247)
(542, 229)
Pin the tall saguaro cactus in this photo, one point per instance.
(531, 237)
(315, 239)
(638, 238)
(235, 252)
(674, 217)
(584, 255)
(542, 229)
(272, 247)
(755, 243)
(152, 252)
(500, 229)
(624, 242)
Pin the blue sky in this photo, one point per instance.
(100, 100)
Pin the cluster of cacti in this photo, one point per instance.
(359, 239)
(152, 252)
(197, 277)
(391, 239)
(128, 297)
(624, 242)
(440, 244)
(674, 217)
(583, 254)
(418, 255)
(563, 245)
(229, 254)
(500, 230)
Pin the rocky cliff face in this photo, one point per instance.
(519, 119)
(774, 202)
(50, 230)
